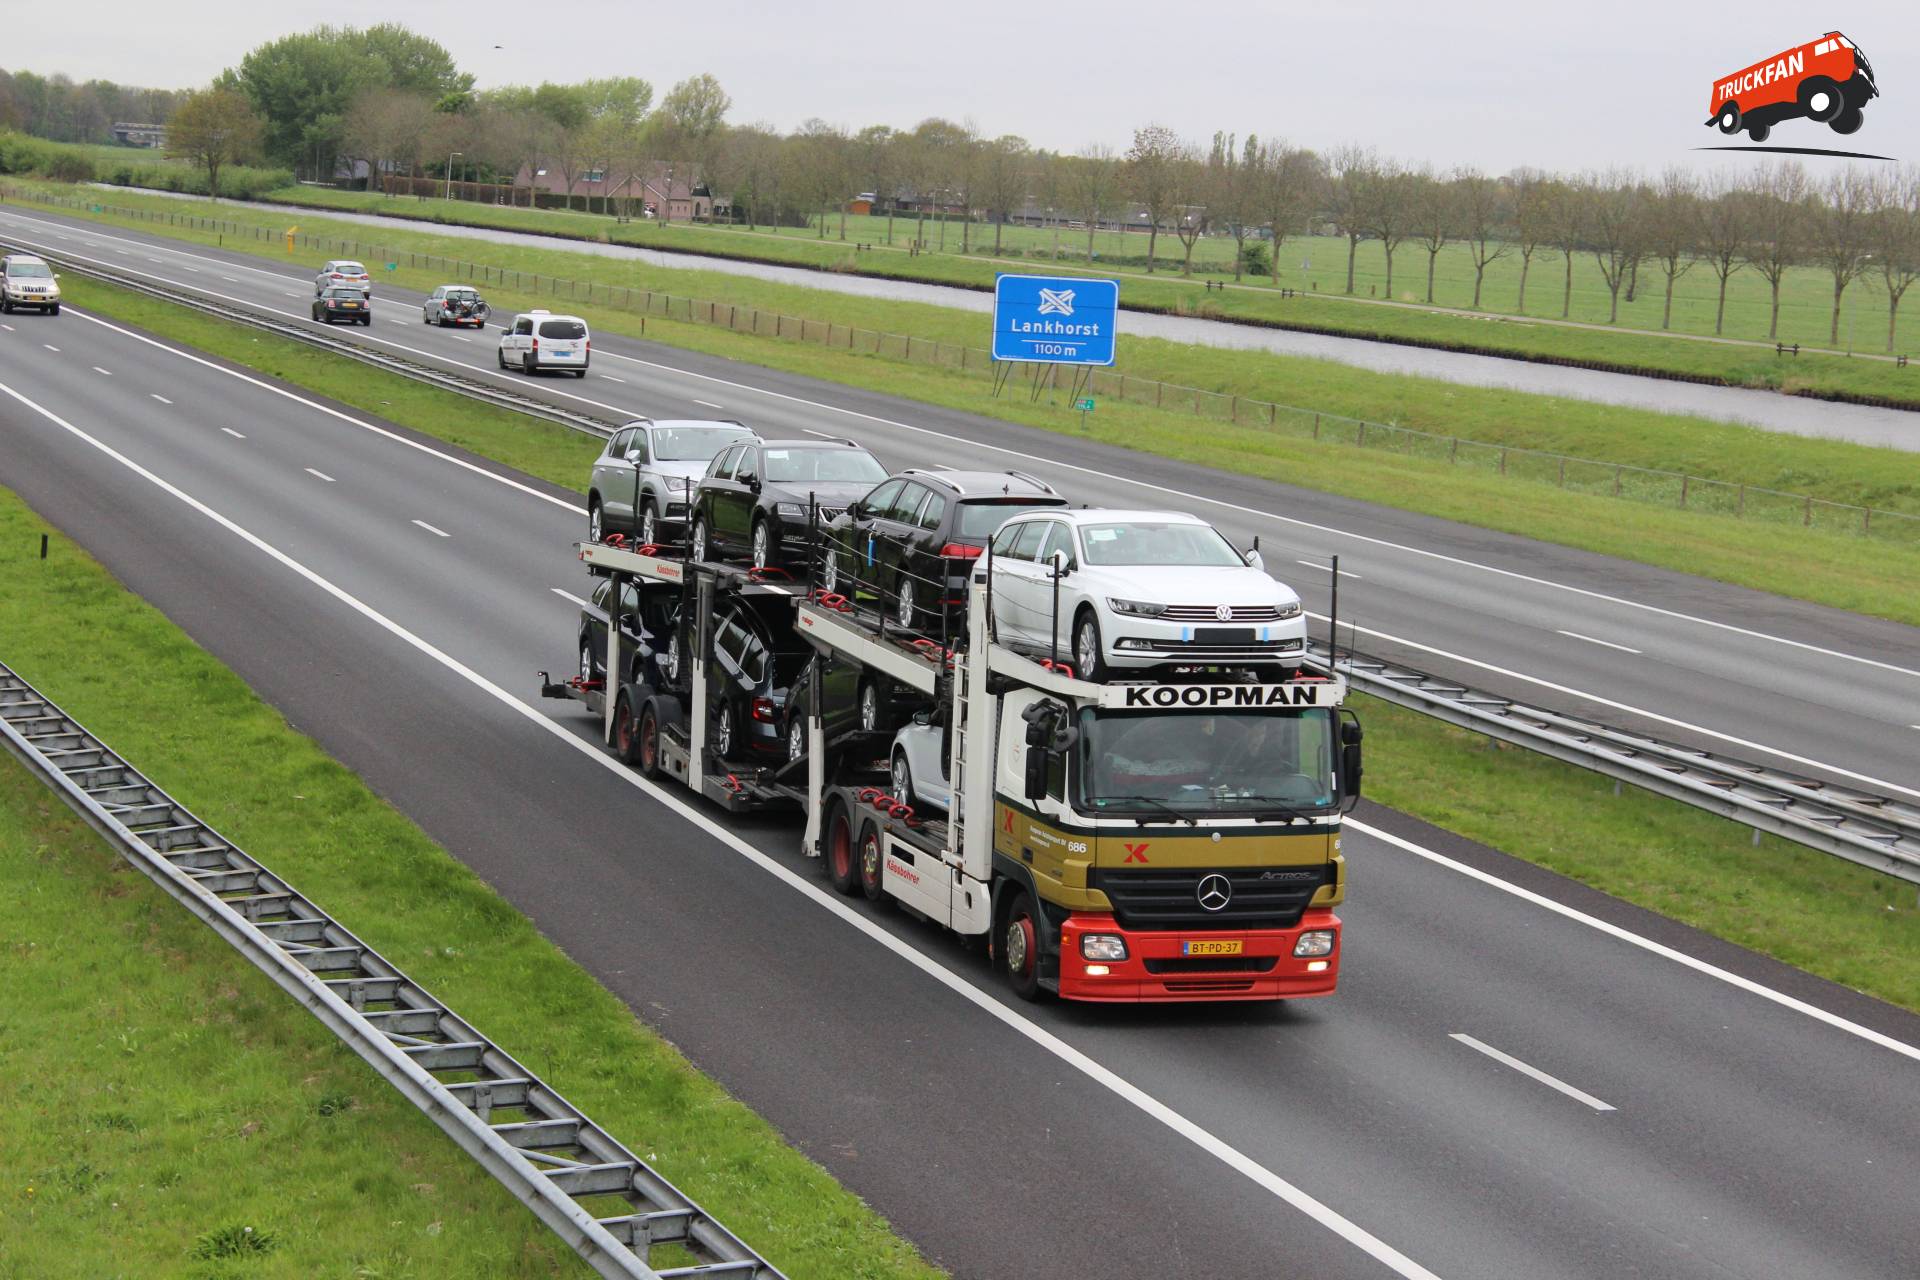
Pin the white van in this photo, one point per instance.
(542, 340)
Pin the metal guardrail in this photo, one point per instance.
(552, 1158)
(473, 388)
(1871, 830)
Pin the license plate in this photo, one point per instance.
(563, 351)
(351, 306)
(1223, 635)
(1211, 947)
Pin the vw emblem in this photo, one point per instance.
(1224, 613)
(1214, 892)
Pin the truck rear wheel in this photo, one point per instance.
(625, 743)
(841, 869)
(1020, 947)
(649, 743)
(871, 858)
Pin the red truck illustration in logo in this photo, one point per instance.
(1826, 80)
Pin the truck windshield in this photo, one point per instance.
(1251, 760)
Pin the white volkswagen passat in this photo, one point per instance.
(1134, 589)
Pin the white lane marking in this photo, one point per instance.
(321, 474)
(1575, 635)
(154, 260)
(1196, 497)
(822, 434)
(808, 888)
(49, 346)
(157, 396)
(1577, 1095)
(235, 434)
(1748, 985)
(570, 596)
(291, 295)
(457, 338)
(430, 529)
(1327, 568)
(397, 438)
(710, 404)
(7, 327)
(103, 372)
(610, 378)
(231, 279)
(195, 270)
(1628, 707)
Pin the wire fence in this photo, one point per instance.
(1624, 481)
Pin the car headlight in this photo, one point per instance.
(1288, 611)
(790, 510)
(1103, 946)
(1314, 942)
(1136, 608)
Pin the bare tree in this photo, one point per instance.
(1533, 207)
(1190, 196)
(1354, 172)
(1723, 237)
(928, 165)
(1896, 239)
(1674, 230)
(877, 149)
(1047, 174)
(384, 129)
(963, 167)
(753, 158)
(1005, 164)
(1432, 214)
(1150, 177)
(1777, 230)
(1287, 183)
(1569, 221)
(1093, 186)
(1617, 222)
(1388, 200)
(1234, 176)
(1484, 209)
(1841, 233)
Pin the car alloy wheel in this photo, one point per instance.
(903, 609)
(723, 732)
(671, 664)
(700, 540)
(762, 544)
(586, 660)
(902, 779)
(1086, 646)
(647, 525)
(796, 739)
(830, 572)
(869, 707)
(596, 523)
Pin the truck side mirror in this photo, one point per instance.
(1350, 762)
(1036, 779)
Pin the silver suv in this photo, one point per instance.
(26, 281)
(644, 478)
(343, 271)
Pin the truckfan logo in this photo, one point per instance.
(1056, 302)
(1828, 81)
(1214, 892)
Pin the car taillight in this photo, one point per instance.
(536, 344)
(589, 344)
(763, 710)
(960, 551)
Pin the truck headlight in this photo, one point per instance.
(1314, 942)
(1136, 608)
(790, 510)
(1103, 946)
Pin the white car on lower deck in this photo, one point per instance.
(1139, 589)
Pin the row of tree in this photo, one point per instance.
(57, 108)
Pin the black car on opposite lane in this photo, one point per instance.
(343, 302)
(909, 543)
(754, 498)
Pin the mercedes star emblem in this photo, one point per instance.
(1214, 892)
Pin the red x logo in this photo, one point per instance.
(1137, 852)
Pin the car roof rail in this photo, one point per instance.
(1031, 479)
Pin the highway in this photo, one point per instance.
(1519, 1078)
(1749, 674)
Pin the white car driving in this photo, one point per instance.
(1139, 589)
(542, 340)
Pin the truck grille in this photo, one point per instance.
(1213, 964)
(1211, 613)
(1155, 899)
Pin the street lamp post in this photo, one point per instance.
(451, 157)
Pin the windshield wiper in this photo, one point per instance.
(1280, 809)
(1173, 814)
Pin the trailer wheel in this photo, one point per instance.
(841, 870)
(1020, 947)
(1758, 132)
(649, 744)
(1729, 118)
(1848, 121)
(870, 860)
(624, 742)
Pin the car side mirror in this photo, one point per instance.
(1255, 560)
(754, 484)
(923, 718)
(857, 509)
(1062, 566)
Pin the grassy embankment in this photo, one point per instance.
(1871, 576)
(1826, 915)
(165, 1096)
(1634, 341)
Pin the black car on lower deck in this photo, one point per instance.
(647, 618)
(753, 502)
(757, 658)
(851, 698)
(341, 302)
(908, 545)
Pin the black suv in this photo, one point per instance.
(754, 496)
(908, 544)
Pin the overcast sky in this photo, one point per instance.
(1496, 84)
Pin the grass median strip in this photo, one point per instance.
(1845, 571)
(158, 1063)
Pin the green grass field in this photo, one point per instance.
(163, 1091)
(1829, 568)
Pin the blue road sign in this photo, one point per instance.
(1054, 319)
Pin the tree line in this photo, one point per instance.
(61, 110)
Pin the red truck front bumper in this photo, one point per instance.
(1158, 966)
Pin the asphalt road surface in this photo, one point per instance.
(1863, 424)
(1753, 675)
(1518, 1079)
